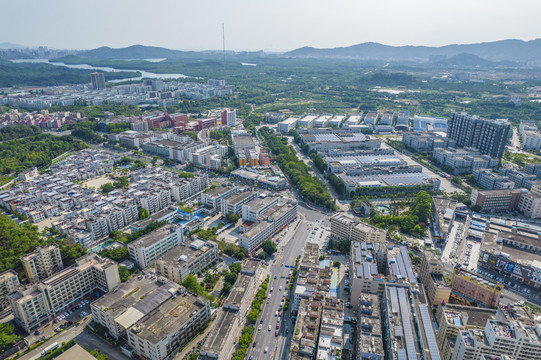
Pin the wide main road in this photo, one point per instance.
(289, 248)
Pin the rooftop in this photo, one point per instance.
(154, 236)
(238, 197)
(83, 263)
(128, 294)
(168, 317)
(237, 292)
(75, 352)
(218, 335)
(467, 316)
(7, 275)
(186, 253)
(219, 190)
(501, 329)
(260, 202)
(37, 251)
(243, 140)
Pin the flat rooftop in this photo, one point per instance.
(83, 263)
(7, 275)
(255, 229)
(469, 316)
(188, 253)
(243, 140)
(218, 190)
(168, 317)
(387, 179)
(239, 196)
(218, 335)
(156, 216)
(502, 329)
(36, 252)
(126, 295)
(260, 202)
(154, 236)
(237, 292)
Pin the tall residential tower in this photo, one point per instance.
(488, 136)
(98, 80)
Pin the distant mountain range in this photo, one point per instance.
(482, 54)
(135, 52)
(504, 50)
(154, 52)
(8, 45)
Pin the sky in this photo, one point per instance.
(269, 25)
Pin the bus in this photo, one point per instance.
(49, 348)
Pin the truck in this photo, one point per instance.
(49, 348)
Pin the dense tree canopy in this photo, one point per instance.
(143, 213)
(39, 74)
(21, 154)
(17, 240)
(310, 187)
(409, 221)
(11, 132)
(8, 338)
(421, 206)
(118, 254)
(269, 247)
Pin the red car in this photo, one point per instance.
(277, 326)
(283, 298)
(280, 314)
(276, 333)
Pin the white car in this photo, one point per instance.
(270, 328)
(266, 349)
(260, 327)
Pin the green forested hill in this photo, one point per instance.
(20, 154)
(40, 74)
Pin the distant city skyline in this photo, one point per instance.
(272, 26)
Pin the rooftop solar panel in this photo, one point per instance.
(401, 268)
(359, 269)
(366, 270)
(407, 264)
(429, 333)
(394, 300)
(401, 354)
(357, 255)
(394, 269)
(406, 324)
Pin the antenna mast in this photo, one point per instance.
(223, 43)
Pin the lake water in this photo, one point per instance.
(144, 74)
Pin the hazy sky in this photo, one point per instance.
(271, 25)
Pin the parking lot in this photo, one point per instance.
(63, 320)
(319, 234)
(454, 242)
(530, 293)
